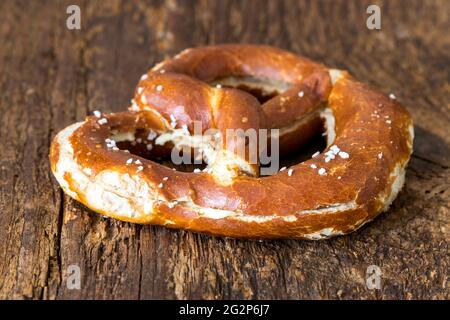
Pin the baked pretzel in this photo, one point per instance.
(102, 162)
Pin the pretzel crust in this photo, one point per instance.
(374, 130)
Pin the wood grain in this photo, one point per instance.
(51, 77)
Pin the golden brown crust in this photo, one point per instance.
(183, 79)
(347, 185)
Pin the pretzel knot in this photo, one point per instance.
(191, 102)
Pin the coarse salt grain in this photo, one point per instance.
(140, 90)
(344, 155)
(138, 162)
(392, 96)
(185, 129)
(335, 149)
(173, 122)
(151, 135)
(159, 87)
(313, 166)
(388, 121)
(301, 94)
(282, 169)
(165, 178)
(149, 147)
(197, 170)
(290, 171)
(102, 121)
(129, 161)
(330, 154)
(140, 168)
(110, 143)
(144, 77)
(380, 155)
(134, 105)
(97, 113)
(160, 185)
(322, 171)
(315, 154)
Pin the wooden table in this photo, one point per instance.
(51, 77)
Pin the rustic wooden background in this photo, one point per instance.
(51, 77)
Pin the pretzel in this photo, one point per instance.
(103, 161)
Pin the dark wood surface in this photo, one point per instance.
(51, 77)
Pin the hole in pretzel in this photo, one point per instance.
(138, 143)
(261, 89)
(316, 143)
